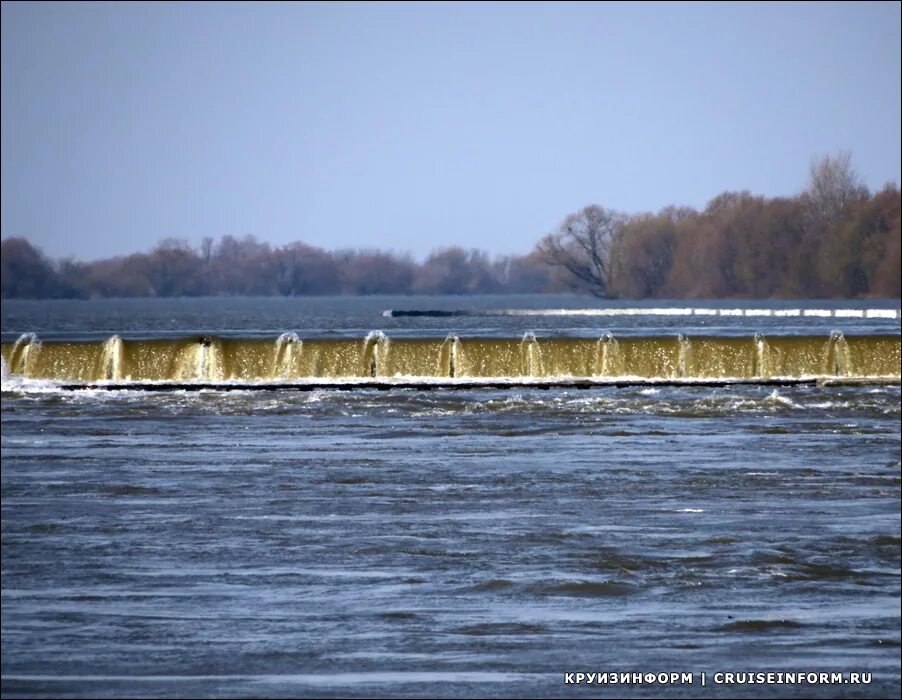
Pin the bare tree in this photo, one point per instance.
(24, 271)
(832, 185)
(582, 246)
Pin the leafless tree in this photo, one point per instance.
(582, 246)
(832, 185)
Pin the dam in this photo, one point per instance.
(378, 359)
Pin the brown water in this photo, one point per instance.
(211, 358)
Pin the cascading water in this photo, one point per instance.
(200, 360)
(111, 359)
(530, 356)
(684, 355)
(210, 365)
(27, 344)
(448, 358)
(609, 360)
(838, 360)
(285, 355)
(760, 367)
(658, 358)
(371, 351)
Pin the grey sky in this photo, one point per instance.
(409, 127)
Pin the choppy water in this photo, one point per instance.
(453, 543)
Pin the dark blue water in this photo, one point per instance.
(357, 316)
(440, 543)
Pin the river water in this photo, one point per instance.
(459, 543)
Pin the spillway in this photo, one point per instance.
(379, 359)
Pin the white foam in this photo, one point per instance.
(374, 337)
(775, 397)
(19, 384)
(669, 312)
(664, 311)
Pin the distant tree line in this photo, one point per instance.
(835, 239)
(248, 267)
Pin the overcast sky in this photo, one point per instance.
(410, 127)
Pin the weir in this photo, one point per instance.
(210, 360)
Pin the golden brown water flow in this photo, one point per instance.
(209, 358)
(414, 358)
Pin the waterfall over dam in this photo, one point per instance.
(287, 359)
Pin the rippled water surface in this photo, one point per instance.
(443, 542)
